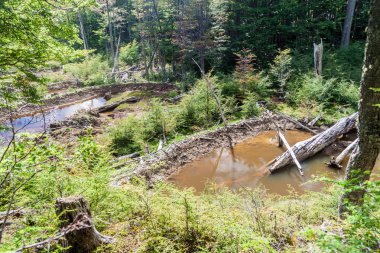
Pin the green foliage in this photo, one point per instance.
(158, 122)
(344, 64)
(88, 152)
(359, 231)
(250, 108)
(32, 33)
(280, 70)
(92, 71)
(129, 54)
(198, 108)
(124, 136)
(327, 92)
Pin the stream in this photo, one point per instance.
(37, 123)
(244, 166)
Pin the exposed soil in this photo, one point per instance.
(86, 94)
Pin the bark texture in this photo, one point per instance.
(311, 146)
(346, 33)
(364, 157)
(75, 211)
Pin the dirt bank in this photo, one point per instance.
(86, 94)
(160, 165)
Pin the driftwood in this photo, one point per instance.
(110, 107)
(297, 123)
(312, 146)
(336, 162)
(311, 123)
(291, 153)
(85, 238)
(132, 155)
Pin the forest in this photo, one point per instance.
(189, 126)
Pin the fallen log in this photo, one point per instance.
(282, 137)
(311, 123)
(336, 162)
(110, 107)
(312, 146)
(74, 214)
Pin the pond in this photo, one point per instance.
(244, 166)
(37, 123)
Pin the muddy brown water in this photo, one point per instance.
(37, 123)
(244, 166)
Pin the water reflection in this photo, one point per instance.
(37, 123)
(245, 167)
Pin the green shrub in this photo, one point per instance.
(88, 152)
(158, 122)
(92, 71)
(359, 231)
(129, 53)
(328, 92)
(280, 70)
(123, 136)
(250, 108)
(198, 108)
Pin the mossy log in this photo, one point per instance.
(315, 144)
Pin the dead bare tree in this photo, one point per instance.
(225, 123)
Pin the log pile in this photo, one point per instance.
(315, 144)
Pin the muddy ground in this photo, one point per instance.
(67, 99)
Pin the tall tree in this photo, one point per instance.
(364, 157)
(346, 34)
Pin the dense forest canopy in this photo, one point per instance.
(212, 31)
(189, 125)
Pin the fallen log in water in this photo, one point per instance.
(110, 107)
(336, 162)
(312, 146)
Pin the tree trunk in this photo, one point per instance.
(346, 33)
(112, 46)
(364, 157)
(75, 211)
(312, 146)
(82, 30)
(115, 59)
(318, 57)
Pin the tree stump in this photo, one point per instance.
(75, 216)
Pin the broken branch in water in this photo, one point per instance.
(313, 145)
(336, 162)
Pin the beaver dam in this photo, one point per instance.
(244, 166)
